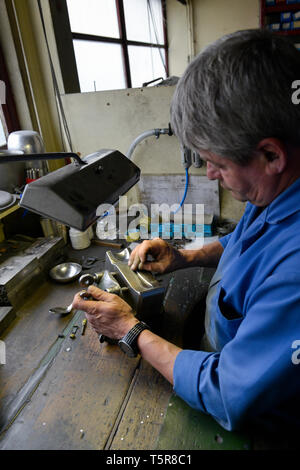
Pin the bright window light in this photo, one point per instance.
(99, 65)
(145, 64)
(96, 17)
(149, 26)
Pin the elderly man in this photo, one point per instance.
(234, 106)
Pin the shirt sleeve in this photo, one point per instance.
(249, 376)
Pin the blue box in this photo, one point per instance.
(290, 2)
(286, 26)
(285, 16)
(270, 3)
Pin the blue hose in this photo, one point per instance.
(185, 189)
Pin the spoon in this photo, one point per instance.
(61, 310)
(66, 310)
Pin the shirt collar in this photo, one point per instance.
(285, 205)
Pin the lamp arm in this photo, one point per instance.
(31, 157)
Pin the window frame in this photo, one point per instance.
(64, 40)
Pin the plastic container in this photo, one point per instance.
(49, 227)
(296, 16)
(287, 26)
(274, 26)
(79, 240)
(90, 231)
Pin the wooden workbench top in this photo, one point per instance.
(63, 393)
(59, 393)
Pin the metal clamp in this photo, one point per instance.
(139, 289)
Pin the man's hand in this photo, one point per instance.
(113, 317)
(166, 258)
(108, 313)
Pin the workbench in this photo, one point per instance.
(77, 394)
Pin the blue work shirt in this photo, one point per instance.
(253, 326)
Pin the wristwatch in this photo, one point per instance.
(128, 343)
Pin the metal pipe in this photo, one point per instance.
(144, 135)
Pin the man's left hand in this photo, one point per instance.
(108, 314)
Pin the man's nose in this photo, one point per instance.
(212, 172)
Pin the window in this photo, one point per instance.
(111, 44)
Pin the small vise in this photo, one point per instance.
(140, 289)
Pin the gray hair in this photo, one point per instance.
(237, 92)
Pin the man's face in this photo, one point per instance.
(246, 183)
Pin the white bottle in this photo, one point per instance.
(90, 231)
(79, 240)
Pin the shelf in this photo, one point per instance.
(281, 8)
(292, 32)
(9, 210)
(267, 12)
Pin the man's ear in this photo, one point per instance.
(275, 154)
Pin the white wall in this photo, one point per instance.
(113, 119)
(211, 20)
(177, 37)
(214, 18)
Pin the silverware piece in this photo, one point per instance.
(61, 310)
(65, 272)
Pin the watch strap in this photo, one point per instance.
(131, 337)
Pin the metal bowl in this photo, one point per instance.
(27, 141)
(65, 272)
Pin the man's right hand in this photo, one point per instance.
(165, 257)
